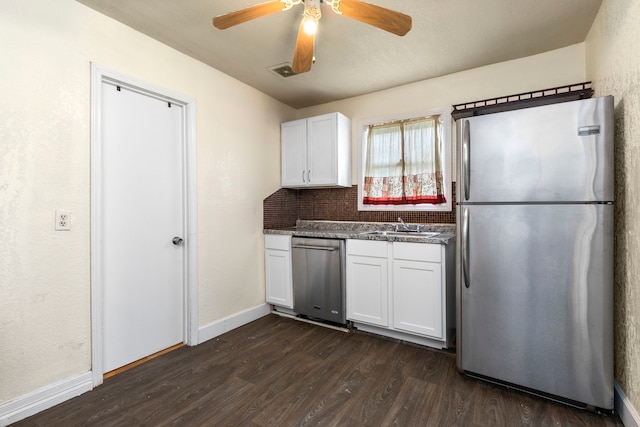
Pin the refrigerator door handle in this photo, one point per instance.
(465, 247)
(588, 130)
(466, 151)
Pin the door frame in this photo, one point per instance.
(100, 75)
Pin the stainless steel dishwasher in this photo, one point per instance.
(319, 278)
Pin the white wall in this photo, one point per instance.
(613, 63)
(47, 47)
(551, 69)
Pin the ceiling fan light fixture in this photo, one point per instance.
(310, 26)
(311, 16)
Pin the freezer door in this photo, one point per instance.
(560, 152)
(535, 298)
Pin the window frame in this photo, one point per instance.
(447, 172)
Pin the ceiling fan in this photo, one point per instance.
(380, 17)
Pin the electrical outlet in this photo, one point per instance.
(63, 222)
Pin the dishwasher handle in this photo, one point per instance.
(320, 248)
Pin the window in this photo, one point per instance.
(405, 163)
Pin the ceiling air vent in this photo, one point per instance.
(283, 70)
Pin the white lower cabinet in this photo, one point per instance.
(277, 262)
(417, 297)
(401, 290)
(367, 282)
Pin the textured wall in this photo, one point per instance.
(47, 48)
(550, 69)
(613, 64)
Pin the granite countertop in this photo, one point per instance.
(362, 231)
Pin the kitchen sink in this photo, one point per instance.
(400, 233)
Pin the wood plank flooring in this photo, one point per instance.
(281, 372)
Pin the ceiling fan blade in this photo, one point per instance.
(247, 14)
(385, 19)
(303, 55)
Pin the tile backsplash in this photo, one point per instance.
(285, 206)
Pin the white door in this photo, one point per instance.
(142, 211)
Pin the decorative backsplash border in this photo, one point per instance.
(285, 206)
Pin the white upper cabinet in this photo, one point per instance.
(293, 136)
(316, 152)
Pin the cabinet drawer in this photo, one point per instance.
(417, 251)
(277, 241)
(370, 248)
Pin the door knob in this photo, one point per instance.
(177, 241)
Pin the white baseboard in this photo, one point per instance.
(624, 408)
(236, 320)
(44, 398)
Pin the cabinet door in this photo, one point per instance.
(279, 290)
(417, 297)
(294, 153)
(367, 290)
(322, 146)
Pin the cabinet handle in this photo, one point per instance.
(309, 175)
(303, 177)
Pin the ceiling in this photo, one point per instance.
(353, 58)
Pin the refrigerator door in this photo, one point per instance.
(535, 298)
(560, 152)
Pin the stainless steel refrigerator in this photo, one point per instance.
(535, 250)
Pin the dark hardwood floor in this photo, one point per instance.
(281, 372)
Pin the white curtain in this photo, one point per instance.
(403, 163)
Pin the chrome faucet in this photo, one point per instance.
(402, 225)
